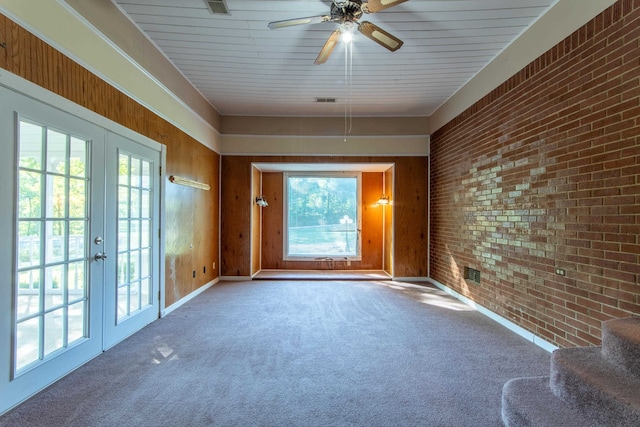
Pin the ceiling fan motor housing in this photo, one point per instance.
(346, 10)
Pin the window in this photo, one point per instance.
(322, 215)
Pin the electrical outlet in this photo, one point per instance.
(348, 263)
(194, 274)
(561, 272)
(214, 265)
(204, 270)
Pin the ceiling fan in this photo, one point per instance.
(347, 13)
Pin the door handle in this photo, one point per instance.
(100, 256)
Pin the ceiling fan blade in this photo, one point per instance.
(328, 47)
(299, 21)
(373, 6)
(380, 36)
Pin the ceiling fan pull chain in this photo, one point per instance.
(346, 94)
(350, 85)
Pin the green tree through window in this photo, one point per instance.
(322, 215)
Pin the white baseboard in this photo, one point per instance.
(501, 320)
(189, 297)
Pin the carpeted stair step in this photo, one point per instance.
(621, 343)
(530, 402)
(601, 391)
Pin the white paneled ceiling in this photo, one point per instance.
(244, 68)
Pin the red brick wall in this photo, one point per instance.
(544, 173)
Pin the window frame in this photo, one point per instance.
(358, 220)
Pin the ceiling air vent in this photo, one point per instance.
(326, 100)
(217, 7)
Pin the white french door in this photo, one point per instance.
(132, 288)
(79, 257)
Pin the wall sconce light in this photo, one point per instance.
(383, 200)
(261, 201)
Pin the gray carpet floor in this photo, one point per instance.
(298, 353)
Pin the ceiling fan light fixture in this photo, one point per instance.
(347, 14)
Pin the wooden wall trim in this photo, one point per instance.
(301, 145)
(324, 126)
(60, 27)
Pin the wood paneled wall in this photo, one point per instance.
(192, 215)
(256, 220)
(3, 41)
(411, 217)
(273, 222)
(272, 242)
(235, 217)
(372, 223)
(410, 206)
(388, 222)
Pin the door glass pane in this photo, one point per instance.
(76, 321)
(55, 233)
(30, 203)
(123, 170)
(31, 137)
(134, 234)
(146, 175)
(52, 240)
(27, 342)
(54, 331)
(145, 263)
(56, 152)
(123, 236)
(145, 204)
(123, 302)
(76, 281)
(75, 243)
(135, 172)
(135, 203)
(54, 284)
(29, 293)
(78, 205)
(29, 244)
(123, 202)
(134, 219)
(145, 287)
(56, 196)
(78, 158)
(145, 233)
(134, 301)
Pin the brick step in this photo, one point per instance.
(530, 402)
(586, 381)
(621, 344)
